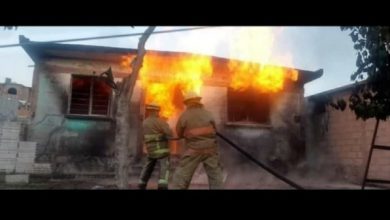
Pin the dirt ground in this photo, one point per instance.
(96, 183)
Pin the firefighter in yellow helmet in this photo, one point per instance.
(197, 126)
(156, 135)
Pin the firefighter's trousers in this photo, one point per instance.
(149, 167)
(188, 164)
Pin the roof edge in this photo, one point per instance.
(338, 89)
(36, 55)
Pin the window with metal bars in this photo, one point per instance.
(248, 106)
(89, 96)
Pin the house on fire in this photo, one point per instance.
(72, 119)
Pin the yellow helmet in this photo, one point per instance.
(153, 106)
(191, 95)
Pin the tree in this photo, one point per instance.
(371, 96)
(122, 106)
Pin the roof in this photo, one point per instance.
(15, 84)
(42, 50)
(337, 90)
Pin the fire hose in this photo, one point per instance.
(265, 167)
(247, 155)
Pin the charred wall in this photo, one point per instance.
(71, 144)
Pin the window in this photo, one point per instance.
(90, 96)
(248, 106)
(12, 91)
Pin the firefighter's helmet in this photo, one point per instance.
(192, 96)
(153, 106)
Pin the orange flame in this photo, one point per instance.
(263, 78)
(256, 45)
(162, 75)
(126, 61)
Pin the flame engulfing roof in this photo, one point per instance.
(39, 51)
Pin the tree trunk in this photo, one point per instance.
(122, 114)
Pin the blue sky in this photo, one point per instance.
(309, 48)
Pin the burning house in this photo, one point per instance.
(258, 107)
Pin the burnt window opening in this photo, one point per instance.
(12, 91)
(90, 96)
(248, 106)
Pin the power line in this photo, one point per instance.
(105, 37)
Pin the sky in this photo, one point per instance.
(302, 47)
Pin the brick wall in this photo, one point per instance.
(343, 145)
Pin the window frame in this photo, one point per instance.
(252, 124)
(89, 115)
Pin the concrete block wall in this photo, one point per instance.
(25, 158)
(17, 158)
(9, 137)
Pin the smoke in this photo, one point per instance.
(243, 173)
(316, 168)
(250, 176)
(257, 44)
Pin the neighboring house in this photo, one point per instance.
(14, 101)
(73, 121)
(16, 155)
(338, 144)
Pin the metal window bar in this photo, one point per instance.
(90, 98)
(91, 95)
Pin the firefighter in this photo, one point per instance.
(156, 135)
(197, 126)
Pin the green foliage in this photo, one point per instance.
(370, 99)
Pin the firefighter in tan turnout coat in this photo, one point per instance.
(197, 126)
